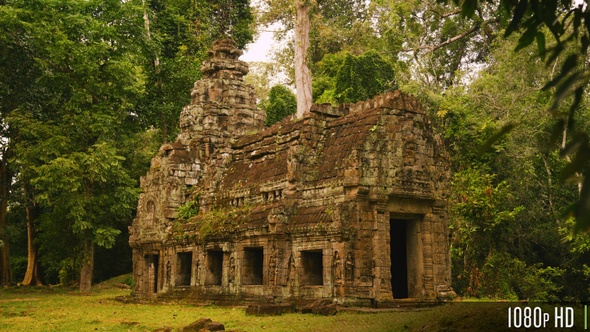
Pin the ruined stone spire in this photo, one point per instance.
(223, 61)
(222, 105)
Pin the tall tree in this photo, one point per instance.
(81, 81)
(431, 39)
(319, 27)
(17, 88)
(80, 96)
(302, 73)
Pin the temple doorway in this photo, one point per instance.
(406, 258)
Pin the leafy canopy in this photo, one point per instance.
(346, 78)
(568, 23)
(281, 103)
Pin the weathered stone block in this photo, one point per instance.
(269, 309)
(196, 326)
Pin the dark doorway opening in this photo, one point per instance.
(252, 268)
(184, 263)
(399, 258)
(152, 272)
(214, 267)
(312, 268)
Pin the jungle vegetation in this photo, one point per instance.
(90, 89)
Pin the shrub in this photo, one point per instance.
(281, 103)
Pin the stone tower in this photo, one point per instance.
(222, 107)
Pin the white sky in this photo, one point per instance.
(259, 50)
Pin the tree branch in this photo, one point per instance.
(432, 48)
(458, 11)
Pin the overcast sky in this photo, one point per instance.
(259, 49)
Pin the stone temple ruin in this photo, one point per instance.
(347, 204)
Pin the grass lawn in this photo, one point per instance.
(65, 309)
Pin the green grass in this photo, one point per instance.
(65, 309)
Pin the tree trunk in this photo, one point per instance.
(5, 272)
(87, 266)
(302, 73)
(567, 157)
(32, 274)
(549, 185)
(156, 63)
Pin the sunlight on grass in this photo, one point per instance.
(65, 309)
(44, 309)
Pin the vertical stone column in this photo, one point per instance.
(427, 247)
(138, 271)
(381, 256)
(442, 256)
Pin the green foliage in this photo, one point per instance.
(479, 201)
(210, 224)
(231, 18)
(281, 103)
(568, 23)
(128, 280)
(506, 277)
(346, 78)
(88, 189)
(105, 237)
(81, 82)
(577, 274)
(18, 266)
(68, 272)
(511, 236)
(189, 209)
(362, 77)
(336, 26)
(80, 79)
(480, 223)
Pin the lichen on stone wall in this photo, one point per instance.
(219, 222)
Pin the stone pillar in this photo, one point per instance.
(428, 252)
(381, 256)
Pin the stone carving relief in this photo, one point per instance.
(337, 271)
(291, 271)
(197, 272)
(273, 265)
(349, 268)
(168, 273)
(232, 269)
(150, 212)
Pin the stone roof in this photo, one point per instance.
(325, 145)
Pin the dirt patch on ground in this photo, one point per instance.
(20, 299)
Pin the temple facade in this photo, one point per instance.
(347, 204)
